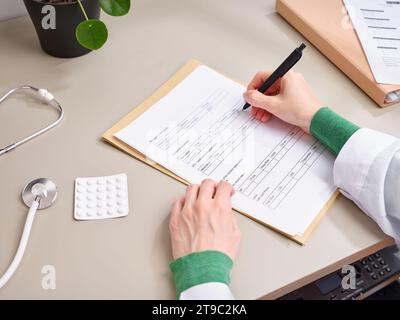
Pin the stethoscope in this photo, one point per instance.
(39, 193)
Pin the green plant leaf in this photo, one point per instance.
(92, 34)
(115, 7)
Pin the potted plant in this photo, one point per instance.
(71, 28)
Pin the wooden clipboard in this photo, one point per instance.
(182, 73)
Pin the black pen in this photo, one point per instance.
(281, 71)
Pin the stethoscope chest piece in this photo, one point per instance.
(41, 189)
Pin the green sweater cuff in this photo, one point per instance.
(331, 129)
(200, 267)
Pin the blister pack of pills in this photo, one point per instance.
(101, 197)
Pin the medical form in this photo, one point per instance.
(377, 23)
(282, 176)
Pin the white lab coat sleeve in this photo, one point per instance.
(367, 172)
(208, 291)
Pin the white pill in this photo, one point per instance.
(121, 202)
(90, 213)
(121, 178)
(100, 197)
(121, 194)
(100, 204)
(79, 213)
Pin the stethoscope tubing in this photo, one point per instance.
(49, 99)
(22, 245)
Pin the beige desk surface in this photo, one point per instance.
(128, 258)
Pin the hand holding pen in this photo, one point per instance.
(289, 99)
(285, 66)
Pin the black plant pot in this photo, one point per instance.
(61, 41)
